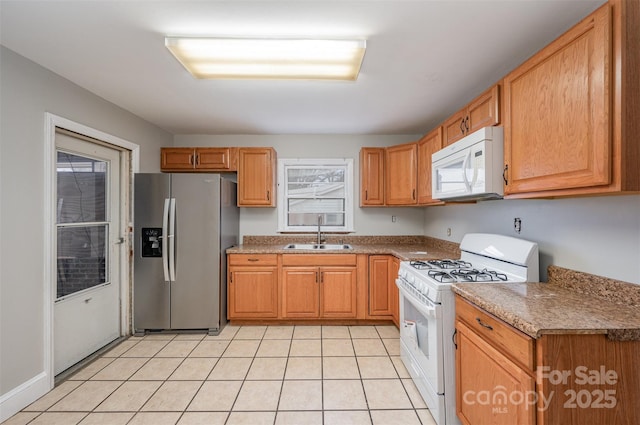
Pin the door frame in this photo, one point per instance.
(51, 122)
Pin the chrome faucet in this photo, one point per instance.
(319, 232)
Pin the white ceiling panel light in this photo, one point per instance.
(268, 58)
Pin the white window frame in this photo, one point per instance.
(284, 163)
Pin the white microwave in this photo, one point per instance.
(470, 168)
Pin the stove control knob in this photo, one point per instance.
(411, 279)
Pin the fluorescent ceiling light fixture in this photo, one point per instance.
(268, 58)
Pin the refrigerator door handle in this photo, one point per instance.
(172, 239)
(165, 239)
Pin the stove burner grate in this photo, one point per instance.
(442, 277)
(475, 275)
(420, 265)
(449, 264)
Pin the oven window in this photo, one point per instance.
(422, 335)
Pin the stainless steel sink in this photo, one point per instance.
(322, 247)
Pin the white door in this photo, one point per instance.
(88, 226)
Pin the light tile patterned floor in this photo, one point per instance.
(275, 375)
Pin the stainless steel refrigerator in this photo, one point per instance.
(183, 223)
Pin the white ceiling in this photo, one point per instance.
(425, 59)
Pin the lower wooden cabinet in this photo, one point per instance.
(252, 286)
(312, 286)
(506, 377)
(395, 292)
(319, 292)
(384, 299)
(486, 379)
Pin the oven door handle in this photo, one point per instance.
(426, 309)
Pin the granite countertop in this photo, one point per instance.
(552, 308)
(404, 248)
(403, 252)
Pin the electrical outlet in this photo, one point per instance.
(448, 231)
(393, 218)
(517, 225)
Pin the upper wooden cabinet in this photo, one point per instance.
(569, 123)
(483, 111)
(256, 177)
(401, 164)
(198, 159)
(371, 177)
(429, 144)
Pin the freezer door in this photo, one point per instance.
(151, 291)
(195, 292)
(229, 236)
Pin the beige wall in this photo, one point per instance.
(598, 235)
(367, 221)
(27, 92)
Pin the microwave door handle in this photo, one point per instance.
(475, 173)
(464, 170)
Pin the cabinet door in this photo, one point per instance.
(489, 384)
(253, 292)
(371, 176)
(401, 174)
(172, 159)
(338, 292)
(300, 292)
(379, 289)
(557, 126)
(484, 111)
(453, 129)
(221, 159)
(395, 295)
(256, 177)
(429, 144)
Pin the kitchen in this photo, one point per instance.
(598, 235)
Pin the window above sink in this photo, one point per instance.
(310, 188)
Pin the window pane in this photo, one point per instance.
(81, 258)
(315, 182)
(311, 219)
(316, 205)
(319, 174)
(81, 189)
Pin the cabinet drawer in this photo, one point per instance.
(253, 259)
(504, 337)
(319, 259)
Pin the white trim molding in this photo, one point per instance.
(26, 393)
(23, 395)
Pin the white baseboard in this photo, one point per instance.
(23, 395)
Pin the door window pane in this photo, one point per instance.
(81, 258)
(81, 189)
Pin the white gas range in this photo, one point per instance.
(427, 309)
